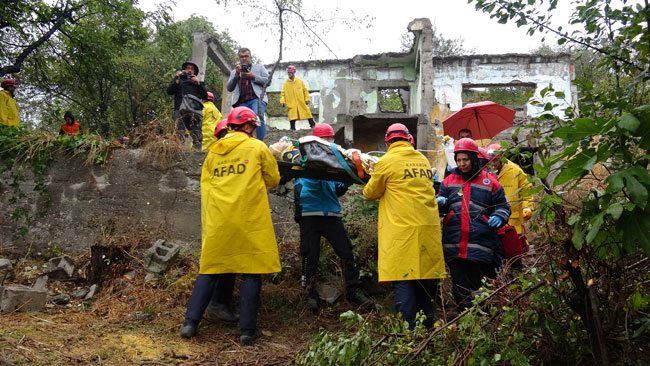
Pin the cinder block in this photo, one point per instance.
(59, 267)
(161, 256)
(21, 297)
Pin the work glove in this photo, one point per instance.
(527, 214)
(495, 221)
(441, 201)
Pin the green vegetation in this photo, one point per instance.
(108, 63)
(509, 96)
(586, 298)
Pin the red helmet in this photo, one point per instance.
(242, 115)
(323, 130)
(466, 144)
(291, 68)
(210, 96)
(483, 153)
(412, 140)
(397, 130)
(493, 149)
(221, 126)
(8, 82)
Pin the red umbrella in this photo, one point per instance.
(484, 119)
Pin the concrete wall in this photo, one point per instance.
(450, 74)
(134, 193)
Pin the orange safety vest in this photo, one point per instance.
(70, 130)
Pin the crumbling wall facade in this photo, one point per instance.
(134, 192)
(452, 74)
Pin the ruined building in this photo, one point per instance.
(345, 92)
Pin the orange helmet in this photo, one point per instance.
(221, 126)
(466, 144)
(323, 130)
(7, 83)
(483, 153)
(291, 68)
(242, 115)
(493, 149)
(397, 130)
(210, 96)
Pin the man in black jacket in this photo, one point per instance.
(186, 82)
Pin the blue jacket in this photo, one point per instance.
(313, 197)
(465, 229)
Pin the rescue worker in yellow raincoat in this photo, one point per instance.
(296, 96)
(8, 108)
(237, 232)
(410, 246)
(211, 116)
(514, 181)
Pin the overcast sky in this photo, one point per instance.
(452, 19)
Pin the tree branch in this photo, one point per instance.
(27, 51)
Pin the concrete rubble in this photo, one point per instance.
(161, 256)
(5, 268)
(21, 298)
(59, 267)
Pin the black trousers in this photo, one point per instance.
(207, 284)
(466, 276)
(191, 123)
(330, 227)
(414, 296)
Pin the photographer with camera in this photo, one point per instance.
(189, 94)
(246, 82)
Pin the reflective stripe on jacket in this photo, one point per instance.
(237, 232)
(465, 229)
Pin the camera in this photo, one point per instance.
(245, 68)
(185, 75)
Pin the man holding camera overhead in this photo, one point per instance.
(189, 94)
(246, 83)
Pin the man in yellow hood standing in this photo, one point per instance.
(211, 117)
(237, 232)
(8, 108)
(296, 96)
(410, 246)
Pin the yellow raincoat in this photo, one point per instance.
(211, 117)
(8, 109)
(237, 232)
(296, 96)
(410, 244)
(514, 181)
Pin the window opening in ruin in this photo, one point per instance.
(511, 96)
(392, 100)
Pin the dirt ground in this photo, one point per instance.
(131, 321)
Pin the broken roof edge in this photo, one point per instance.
(380, 59)
(542, 58)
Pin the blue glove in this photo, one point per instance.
(495, 221)
(441, 200)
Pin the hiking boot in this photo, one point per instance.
(188, 329)
(358, 299)
(248, 336)
(312, 304)
(215, 312)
